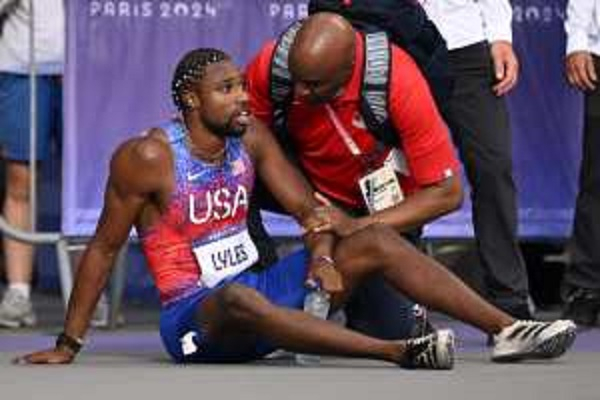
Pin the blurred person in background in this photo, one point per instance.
(485, 68)
(49, 21)
(582, 278)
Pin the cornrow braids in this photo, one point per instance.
(190, 70)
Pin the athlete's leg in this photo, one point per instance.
(238, 315)
(379, 249)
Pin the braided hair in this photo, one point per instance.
(190, 70)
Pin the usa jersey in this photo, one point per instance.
(202, 236)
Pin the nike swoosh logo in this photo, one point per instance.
(194, 176)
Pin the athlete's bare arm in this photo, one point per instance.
(296, 196)
(139, 171)
(283, 180)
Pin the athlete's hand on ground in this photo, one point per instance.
(506, 67)
(333, 219)
(51, 356)
(580, 70)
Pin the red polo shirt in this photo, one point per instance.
(328, 161)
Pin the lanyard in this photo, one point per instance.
(368, 160)
(343, 132)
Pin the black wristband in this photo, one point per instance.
(71, 343)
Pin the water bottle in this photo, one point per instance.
(316, 303)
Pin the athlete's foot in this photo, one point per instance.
(433, 351)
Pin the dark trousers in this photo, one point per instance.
(584, 271)
(379, 310)
(480, 128)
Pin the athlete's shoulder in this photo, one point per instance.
(256, 132)
(142, 160)
(144, 150)
(259, 140)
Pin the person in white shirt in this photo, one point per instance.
(582, 64)
(15, 308)
(485, 68)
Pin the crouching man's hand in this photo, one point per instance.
(333, 219)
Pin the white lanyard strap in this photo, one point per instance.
(343, 132)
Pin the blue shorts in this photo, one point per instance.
(282, 284)
(14, 115)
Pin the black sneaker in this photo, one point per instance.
(423, 325)
(434, 351)
(582, 306)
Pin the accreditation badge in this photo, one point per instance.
(397, 160)
(225, 257)
(380, 189)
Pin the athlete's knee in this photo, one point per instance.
(382, 240)
(372, 248)
(242, 303)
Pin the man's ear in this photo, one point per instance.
(191, 101)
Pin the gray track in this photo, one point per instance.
(130, 363)
(148, 376)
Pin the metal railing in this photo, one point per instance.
(62, 251)
(60, 241)
(33, 237)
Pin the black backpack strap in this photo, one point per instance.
(280, 81)
(280, 92)
(375, 88)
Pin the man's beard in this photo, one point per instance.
(225, 130)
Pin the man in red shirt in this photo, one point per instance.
(335, 149)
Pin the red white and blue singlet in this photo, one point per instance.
(201, 243)
(202, 237)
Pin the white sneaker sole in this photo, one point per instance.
(445, 348)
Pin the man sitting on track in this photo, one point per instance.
(186, 188)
